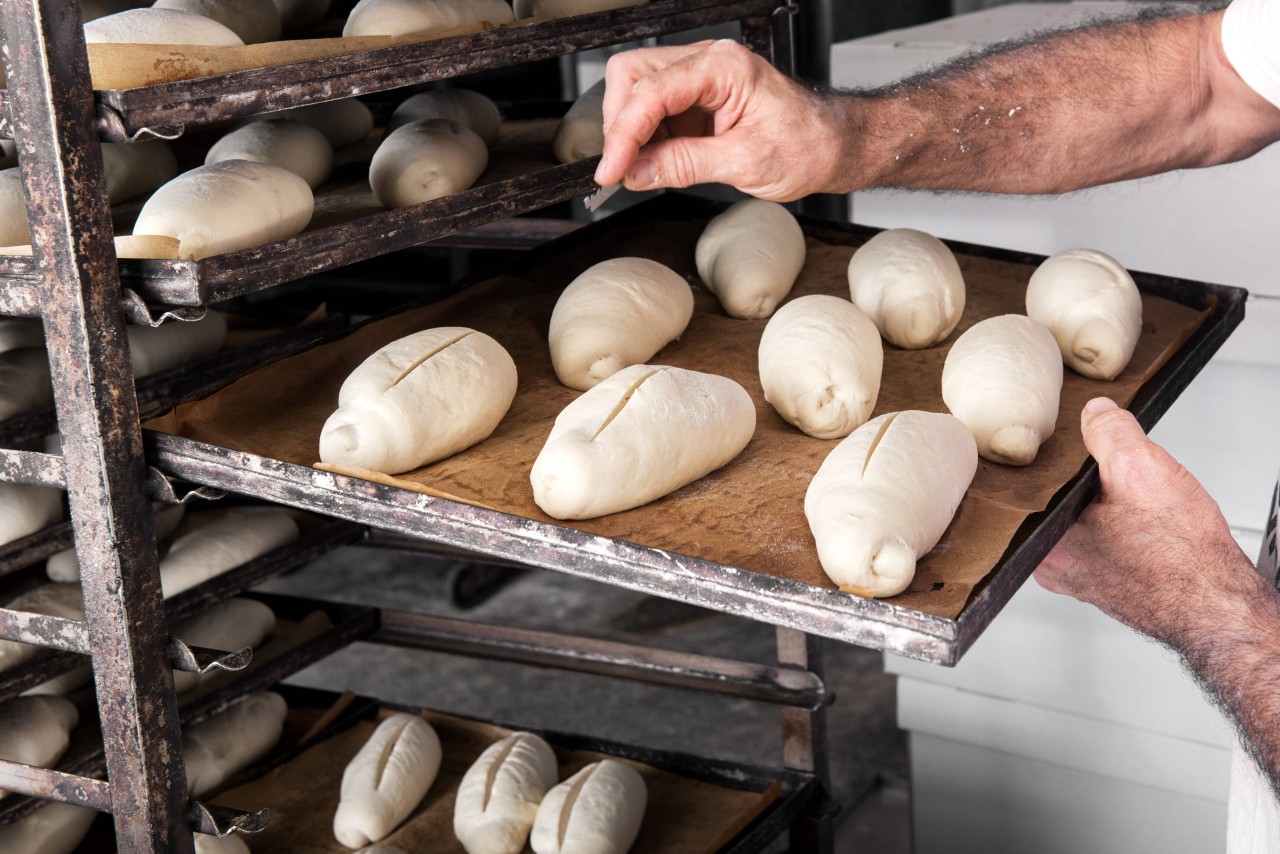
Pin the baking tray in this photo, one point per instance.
(761, 562)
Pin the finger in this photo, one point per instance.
(1127, 459)
(680, 162)
(624, 69)
(1066, 562)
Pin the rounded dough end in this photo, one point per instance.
(915, 325)
(830, 412)
(871, 568)
(1015, 445)
(1093, 351)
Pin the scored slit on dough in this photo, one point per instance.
(493, 771)
(388, 749)
(875, 443)
(624, 400)
(446, 345)
(566, 811)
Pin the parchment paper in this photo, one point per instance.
(749, 514)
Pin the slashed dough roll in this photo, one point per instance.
(426, 160)
(233, 844)
(231, 741)
(343, 122)
(599, 810)
(580, 133)
(25, 385)
(884, 496)
(420, 399)
(749, 257)
(1003, 379)
(14, 230)
(254, 21)
(65, 567)
(618, 313)
(644, 432)
(910, 285)
(296, 14)
(422, 17)
(159, 348)
(212, 542)
(159, 26)
(499, 795)
(1092, 306)
(135, 169)
(566, 8)
(52, 829)
(384, 782)
(230, 625)
(36, 730)
(467, 108)
(289, 144)
(56, 600)
(820, 364)
(233, 204)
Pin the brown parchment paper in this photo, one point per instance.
(749, 514)
(683, 816)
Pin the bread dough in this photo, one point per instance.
(227, 743)
(26, 509)
(19, 332)
(1092, 306)
(499, 795)
(25, 385)
(292, 145)
(13, 209)
(580, 133)
(233, 844)
(343, 122)
(65, 566)
(159, 26)
(467, 108)
(56, 600)
(210, 543)
(230, 625)
(426, 160)
(384, 782)
(749, 257)
(605, 804)
(254, 21)
(160, 348)
(296, 14)
(36, 730)
(54, 828)
(225, 206)
(642, 433)
(565, 8)
(420, 399)
(884, 496)
(422, 17)
(618, 313)
(134, 169)
(820, 364)
(910, 285)
(1003, 379)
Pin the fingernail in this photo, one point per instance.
(602, 167)
(643, 174)
(1100, 404)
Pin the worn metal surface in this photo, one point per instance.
(44, 630)
(33, 468)
(223, 821)
(804, 743)
(202, 660)
(55, 785)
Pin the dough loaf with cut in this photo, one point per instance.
(643, 433)
(231, 741)
(1003, 379)
(292, 145)
(910, 285)
(580, 133)
(566, 8)
(225, 206)
(25, 385)
(426, 160)
(1092, 306)
(36, 730)
(820, 364)
(385, 781)
(233, 844)
(134, 169)
(343, 122)
(467, 108)
(56, 600)
(422, 17)
(884, 496)
(499, 795)
(212, 542)
(159, 348)
(14, 230)
(52, 829)
(159, 26)
(296, 14)
(420, 399)
(254, 21)
(599, 810)
(749, 257)
(65, 567)
(616, 314)
(230, 625)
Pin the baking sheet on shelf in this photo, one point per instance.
(748, 514)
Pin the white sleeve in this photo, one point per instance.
(1251, 41)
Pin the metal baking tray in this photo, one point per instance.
(807, 607)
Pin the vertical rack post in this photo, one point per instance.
(804, 743)
(53, 117)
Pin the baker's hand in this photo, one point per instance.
(714, 112)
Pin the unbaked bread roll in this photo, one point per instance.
(499, 795)
(159, 26)
(618, 313)
(296, 14)
(13, 209)
(230, 625)
(580, 133)
(65, 566)
(135, 169)
(386, 779)
(26, 509)
(19, 332)
(420, 399)
(599, 810)
(910, 285)
(820, 364)
(749, 257)
(52, 829)
(883, 497)
(25, 385)
(233, 844)
(212, 542)
(56, 600)
(253, 21)
(225, 206)
(1092, 306)
(343, 122)
(644, 432)
(286, 143)
(426, 160)
(36, 730)
(565, 8)
(231, 741)
(467, 108)
(159, 348)
(1003, 379)
(422, 17)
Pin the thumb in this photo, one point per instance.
(677, 162)
(1126, 458)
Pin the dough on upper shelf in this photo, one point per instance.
(420, 399)
(230, 741)
(343, 122)
(254, 21)
(910, 285)
(387, 779)
(134, 169)
(422, 17)
(644, 432)
(749, 257)
(598, 810)
(580, 133)
(1003, 379)
(566, 8)
(159, 26)
(1092, 306)
(293, 145)
(615, 314)
(884, 496)
(469, 109)
(13, 209)
(36, 730)
(54, 828)
(426, 160)
(498, 798)
(820, 363)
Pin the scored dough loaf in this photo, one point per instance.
(644, 432)
(467, 108)
(599, 810)
(820, 364)
(254, 21)
(884, 496)
(25, 385)
(231, 741)
(159, 26)
(616, 314)
(14, 230)
(134, 169)
(910, 285)
(422, 17)
(343, 122)
(56, 600)
(158, 348)
(230, 625)
(65, 566)
(296, 14)
(1092, 306)
(749, 257)
(36, 730)
(225, 206)
(233, 844)
(580, 133)
(212, 542)
(289, 144)
(420, 399)
(426, 160)
(1003, 379)
(384, 782)
(499, 795)
(52, 829)
(566, 8)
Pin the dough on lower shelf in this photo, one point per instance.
(287, 143)
(254, 21)
(910, 284)
(469, 109)
(26, 509)
(386, 780)
(153, 349)
(230, 741)
(159, 26)
(580, 133)
(598, 810)
(422, 17)
(426, 160)
(65, 566)
(233, 844)
(56, 600)
(749, 257)
(498, 798)
(210, 543)
(229, 625)
(343, 122)
(36, 730)
(54, 828)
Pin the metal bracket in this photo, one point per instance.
(137, 312)
(223, 821)
(159, 487)
(202, 660)
(111, 127)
